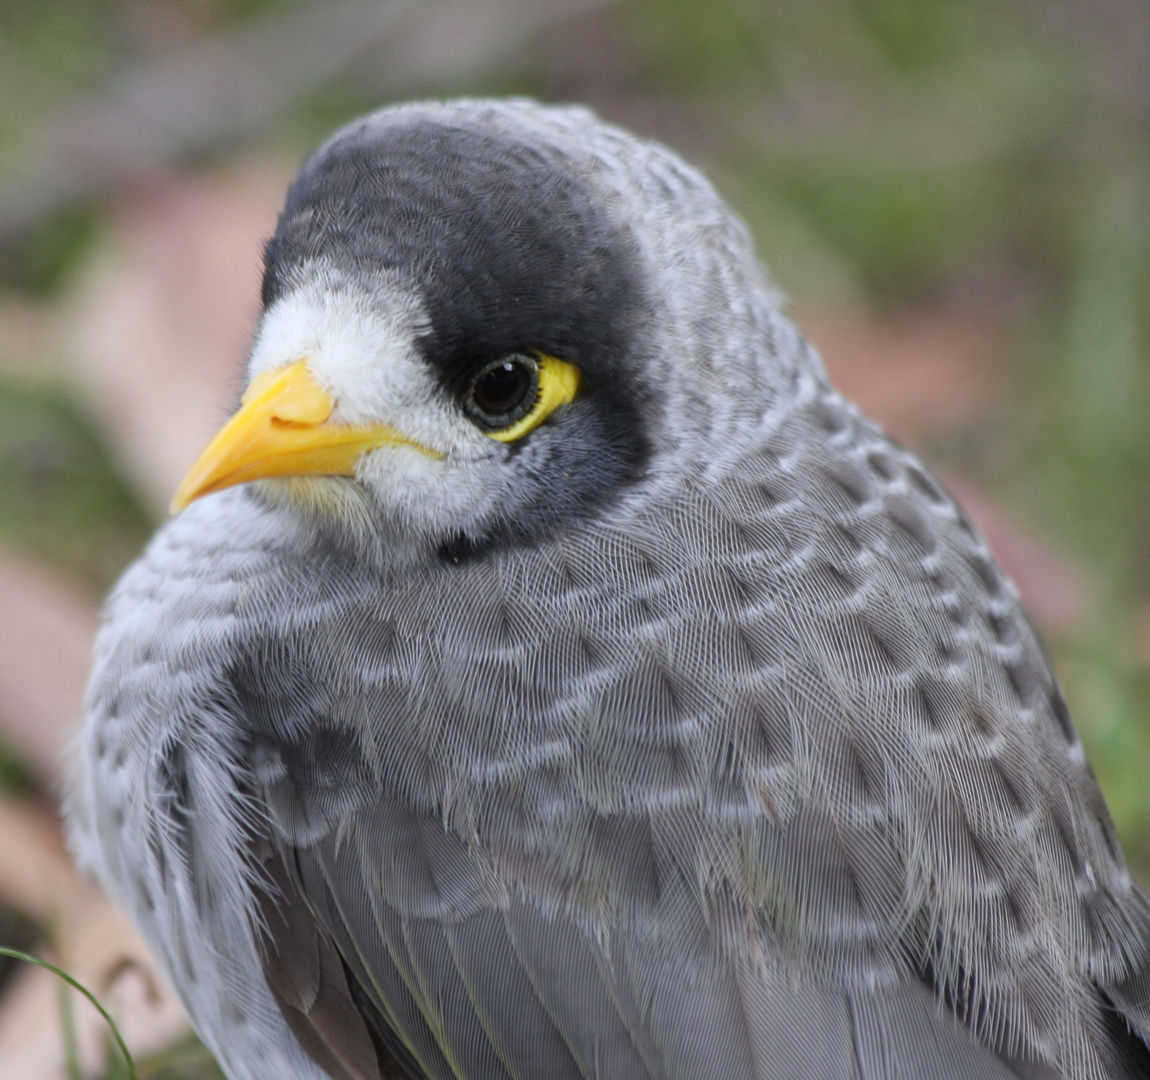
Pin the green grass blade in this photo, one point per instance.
(17, 955)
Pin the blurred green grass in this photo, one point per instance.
(61, 499)
(188, 1059)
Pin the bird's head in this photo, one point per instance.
(482, 320)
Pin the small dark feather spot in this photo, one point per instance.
(172, 799)
(866, 787)
(769, 734)
(964, 523)
(832, 417)
(647, 691)
(1010, 788)
(983, 856)
(986, 572)
(855, 890)
(946, 650)
(1110, 839)
(1021, 681)
(1062, 716)
(590, 653)
(911, 526)
(1100, 813)
(505, 627)
(957, 613)
(852, 483)
(644, 613)
(744, 538)
(646, 565)
(729, 767)
(1000, 626)
(1066, 835)
(456, 549)
(1015, 907)
(926, 707)
(922, 483)
(983, 722)
(770, 493)
(827, 578)
(621, 848)
(882, 465)
(885, 650)
(669, 765)
(849, 538)
(741, 590)
(771, 454)
(382, 638)
(759, 648)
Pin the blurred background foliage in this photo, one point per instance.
(970, 160)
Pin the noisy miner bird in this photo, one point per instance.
(549, 675)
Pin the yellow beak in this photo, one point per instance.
(282, 429)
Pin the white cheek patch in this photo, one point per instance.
(359, 341)
(360, 346)
(426, 497)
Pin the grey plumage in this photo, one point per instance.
(742, 761)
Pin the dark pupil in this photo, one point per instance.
(502, 388)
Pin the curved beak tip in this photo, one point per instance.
(282, 428)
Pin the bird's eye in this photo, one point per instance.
(516, 393)
(504, 391)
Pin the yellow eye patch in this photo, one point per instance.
(559, 383)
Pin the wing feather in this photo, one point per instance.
(516, 1019)
(901, 1034)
